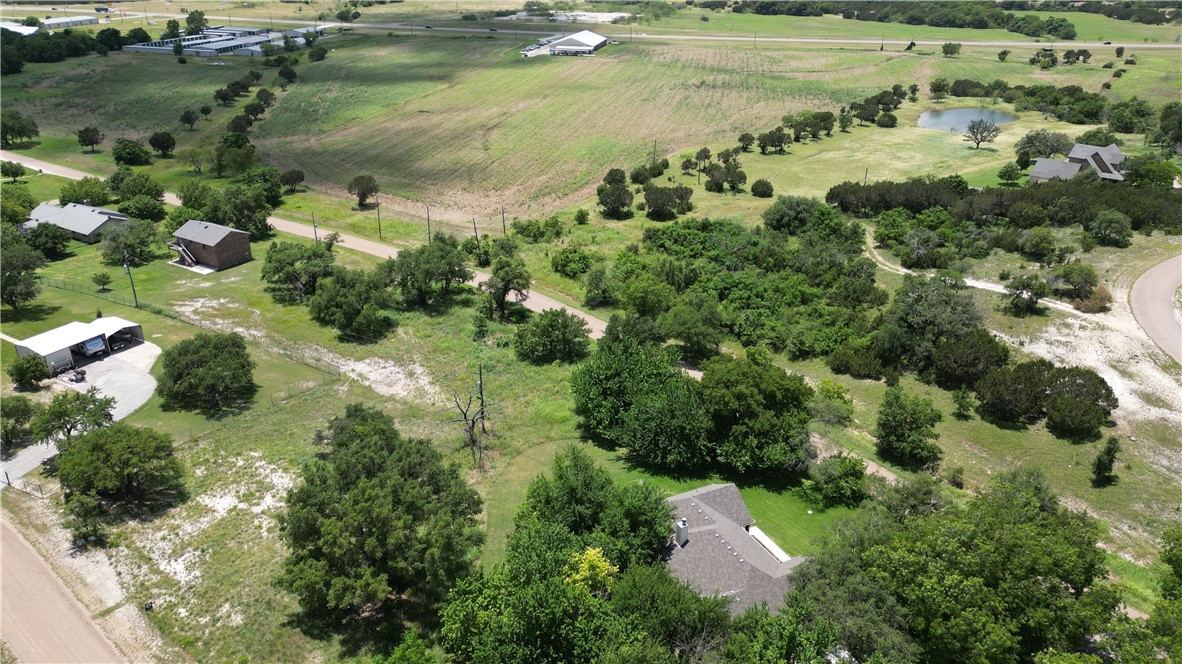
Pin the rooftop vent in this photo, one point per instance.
(681, 529)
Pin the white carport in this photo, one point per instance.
(57, 346)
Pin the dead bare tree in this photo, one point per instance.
(474, 434)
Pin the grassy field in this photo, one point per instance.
(541, 131)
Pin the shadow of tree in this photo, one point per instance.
(30, 313)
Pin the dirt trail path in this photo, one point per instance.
(42, 620)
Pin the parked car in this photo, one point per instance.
(91, 347)
(429, 27)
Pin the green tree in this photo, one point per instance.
(172, 29)
(162, 142)
(1015, 395)
(208, 372)
(354, 302)
(1112, 229)
(1150, 172)
(840, 480)
(614, 196)
(696, 322)
(142, 207)
(16, 412)
(1002, 55)
(906, 428)
(964, 360)
(555, 335)
(923, 312)
(427, 276)
(13, 170)
(101, 280)
(1010, 173)
(16, 126)
(293, 269)
(71, 413)
(241, 207)
(378, 523)
(121, 461)
(759, 413)
(1025, 291)
(1043, 143)
(90, 137)
(52, 241)
(287, 74)
(939, 87)
(15, 204)
(27, 372)
(1079, 278)
(131, 242)
(950, 49)
(132, 153)
(981, 131)
(509, 275)
(131, 185)
(292, 179)
(19, 263)
(363, 187)
(963, 399)
(195, 23)
(762, 188)
(1105, 462)
(790, 213)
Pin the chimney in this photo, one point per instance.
(681, 528)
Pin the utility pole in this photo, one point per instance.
(127, 269)
(474, 231)
(428, 224)
(315, 235)
(503, 229)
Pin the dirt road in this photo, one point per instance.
(1152, 300)
(42, 621)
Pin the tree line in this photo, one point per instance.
(975, 15)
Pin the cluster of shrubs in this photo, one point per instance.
(42, 46)
(1057, 202)
(660, 203)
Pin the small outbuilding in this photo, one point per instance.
(62, 347)
(584, 42)
(61, 22)
(213, 245)
(85, 222)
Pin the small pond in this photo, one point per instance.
(958, 119)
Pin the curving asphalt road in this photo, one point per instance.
(1152, 300)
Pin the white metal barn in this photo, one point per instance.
(59, 345)
(580, 43)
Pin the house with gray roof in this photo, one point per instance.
(86, 223)
(1106, 161)
(213, 245)
(717, 549)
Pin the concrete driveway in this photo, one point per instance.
(125, 375)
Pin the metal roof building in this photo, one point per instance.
(59, 22)
(19, 28)
(580, 43)
(59, 345)
(86, 222)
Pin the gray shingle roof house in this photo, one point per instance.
(87, 223)
(717, 548)
(214, 245)
(1106, 161)
(1049, 169)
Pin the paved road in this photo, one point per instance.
(536, 302)
(1152, 300)
(622, 36)
(42, 620)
